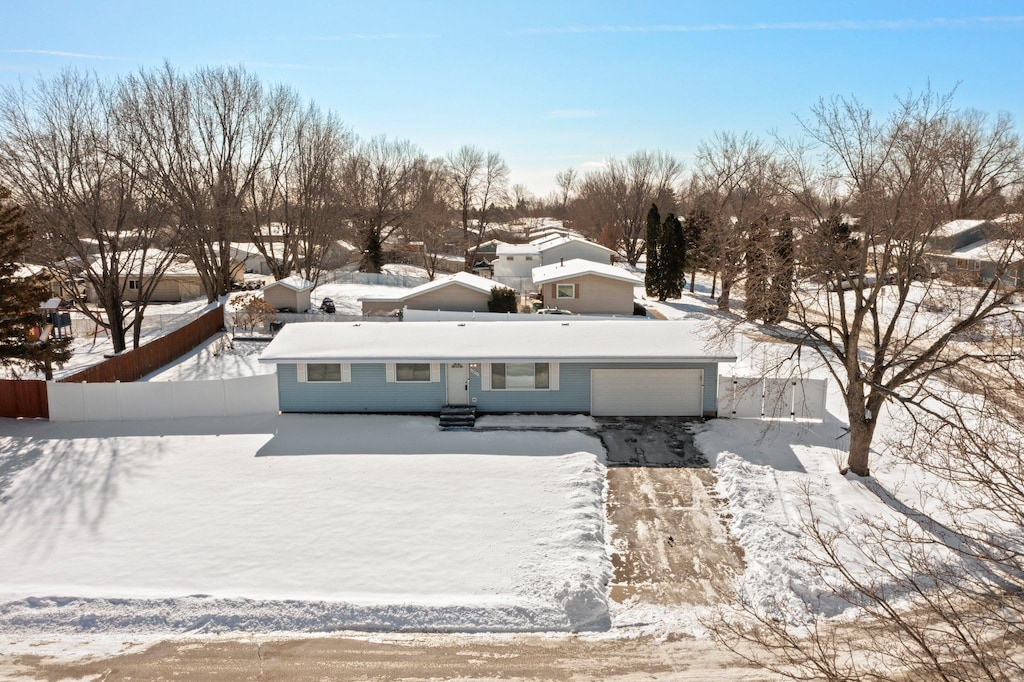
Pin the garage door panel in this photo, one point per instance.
(646, 392)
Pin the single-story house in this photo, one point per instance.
(519, 260)
(178, 280)
(604, 368)
(291, 292)
(583, 286)
(461, 292)
(984, 260)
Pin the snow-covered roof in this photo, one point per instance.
(955, 227)
(560, 340)
(990, 251)
(26, 270)
(137, 262)
(517, 250)
(550, 244)
(295, 283)
(576, 267)
(463, 279)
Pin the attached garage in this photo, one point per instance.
(647, 392)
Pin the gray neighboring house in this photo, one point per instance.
(461, 292)
(585, 287)
(604, 368)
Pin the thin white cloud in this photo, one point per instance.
(842, 25)
(60, 53)
(572, 113)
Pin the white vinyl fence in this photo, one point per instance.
(771, 398)
(133, 401)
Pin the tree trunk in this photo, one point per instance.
(693, 279)
(723, 300)
(862, 430)
(714, 283)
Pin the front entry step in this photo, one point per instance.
(460, 417)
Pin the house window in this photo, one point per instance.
(529, 258)
(520, 376)
(412, 371)
(510, 257)
(316, 371)
(133, 284)
(565, 291)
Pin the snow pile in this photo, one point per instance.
(298, 522)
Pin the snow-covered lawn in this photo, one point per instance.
(299, 522)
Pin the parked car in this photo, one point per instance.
(327, 306)
(554, 311)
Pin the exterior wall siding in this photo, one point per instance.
(594, 295)
(369, 392)
(583, 251)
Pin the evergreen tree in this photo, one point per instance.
(671, 259)
(696, 227)
(651, 277)
(20, 299)
(759, 268)
(781, 288)
(373, 256)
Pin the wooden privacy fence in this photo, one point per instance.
(23, 398)
(771, 398)
(134, 364)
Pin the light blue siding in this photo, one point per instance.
(369, 392)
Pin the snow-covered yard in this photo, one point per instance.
(219, 357)
(299, 522)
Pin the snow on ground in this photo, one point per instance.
(159, 319)
(296, 523)
(216, 358)
(346, 295)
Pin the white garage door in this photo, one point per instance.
(646, 392)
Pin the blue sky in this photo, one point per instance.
(550, 84)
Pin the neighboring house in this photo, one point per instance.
(977, 250)
(983, 260)
(519, 260)
(291, 293)
(461, 292)
(516, 260)
(180, 281)
(604, 368)
(249, 256)
(582, 286)
(489, 249)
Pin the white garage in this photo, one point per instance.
(647, 392)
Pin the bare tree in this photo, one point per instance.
(70, 154)
(614, 201)
(479, 184)
(431, 223)
(567, 181)
(857, 302)
(296, 199)
(379, 184)
(735, 181)
(206, 137)
(980, 162)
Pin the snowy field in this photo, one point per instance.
(298, 523)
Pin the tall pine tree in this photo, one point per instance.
(671, 259)
(653, 248)
(20, 348)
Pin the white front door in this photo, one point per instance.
(458, 383)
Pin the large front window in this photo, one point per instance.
(521, 376)
(412, 371)
(565, 291)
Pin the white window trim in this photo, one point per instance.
(391, 373)
(134, 285)
(485, 379)
(303, 377)
(558, 293)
